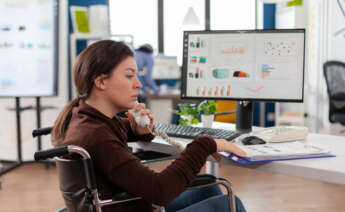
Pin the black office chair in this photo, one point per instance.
(78, 182)
(334, 72)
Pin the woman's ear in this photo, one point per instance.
(100, 82)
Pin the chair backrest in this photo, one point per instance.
(73, 185)
(334, 73)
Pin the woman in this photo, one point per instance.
(105, 76)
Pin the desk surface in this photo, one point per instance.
(161, 96)
(324, 169)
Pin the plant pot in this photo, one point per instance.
(207, 120)
(187, 117)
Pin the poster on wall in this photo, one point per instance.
(338, 30)
(28, 48)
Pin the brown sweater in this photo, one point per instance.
(116, 168)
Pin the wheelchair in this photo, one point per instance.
(78, 182)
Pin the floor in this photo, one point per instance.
(34, 188)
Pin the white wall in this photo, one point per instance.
(8, 133)
(292, 18)
(321, 19)
(316, 54)
(337, 30)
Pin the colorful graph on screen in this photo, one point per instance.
(281, 48)
(240, 74)
(254, 90)
(266, 70)
(199, 43)
(232, 49)
(213, 90)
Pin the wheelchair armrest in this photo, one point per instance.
(151, 156)
(41, 131)
(50, 153)
(203, 179)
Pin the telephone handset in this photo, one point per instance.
(144, 122)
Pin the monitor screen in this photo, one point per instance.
(166, 67)
(28, 48)
(253, 65)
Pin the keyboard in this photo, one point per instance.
(179, 131)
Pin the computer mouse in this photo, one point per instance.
(252, 140)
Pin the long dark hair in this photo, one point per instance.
(97, 59)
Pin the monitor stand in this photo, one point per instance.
(244, 116)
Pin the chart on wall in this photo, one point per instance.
(28, 48)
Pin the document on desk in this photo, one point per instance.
(279, 151)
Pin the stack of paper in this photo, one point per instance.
(279, 151)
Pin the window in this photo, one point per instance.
(137, 18)
(232, 14)
(174, 13)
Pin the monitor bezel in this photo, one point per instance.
(185, 63)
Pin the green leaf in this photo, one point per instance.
(208, 107)
(183, 122)
(195, 121)
(187, 109)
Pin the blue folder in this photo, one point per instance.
(244, 161)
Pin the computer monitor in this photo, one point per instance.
(244, 65)
(166, 67)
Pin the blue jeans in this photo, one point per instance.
(194, 196)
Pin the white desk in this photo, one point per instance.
(324, 169)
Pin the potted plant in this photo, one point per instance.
(188, 114)
(208, 109)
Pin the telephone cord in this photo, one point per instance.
(167, 139)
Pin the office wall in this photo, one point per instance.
(316, 55)
(325, 41)
(337, 30)
(336, 51)
(322, 19)
(316, 10)
(8, 135)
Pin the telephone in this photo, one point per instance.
(280, 134)
(144, 122)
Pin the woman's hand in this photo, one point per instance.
(143, 112)
(226, 146)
